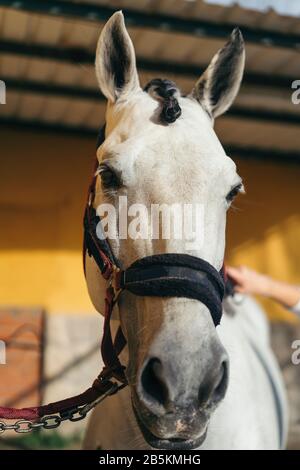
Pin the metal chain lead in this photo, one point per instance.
(54, 421)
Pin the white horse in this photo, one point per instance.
(179, 394)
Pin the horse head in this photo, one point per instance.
(160, 148)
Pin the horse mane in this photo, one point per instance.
(166, 93)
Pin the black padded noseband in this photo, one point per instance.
(176, 275)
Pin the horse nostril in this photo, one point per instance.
(153, 385)
(213, 388)
(221, 384)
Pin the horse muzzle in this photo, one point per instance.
(183, 430)
(173, 401)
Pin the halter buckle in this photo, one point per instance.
(114, 284)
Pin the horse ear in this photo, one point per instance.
(219, 84)
(115, 59)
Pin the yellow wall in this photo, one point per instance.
(44, 179)
(264, 230)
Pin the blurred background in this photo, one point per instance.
(48, 130)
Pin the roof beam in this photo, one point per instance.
(249, 153)
(54, 89)
(51, 89)
(270, 154)
(77, 55)
(196, 27)
(264, 115)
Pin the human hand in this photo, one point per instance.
(248, 281)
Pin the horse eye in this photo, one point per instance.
(109, 178)
(233, 192)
